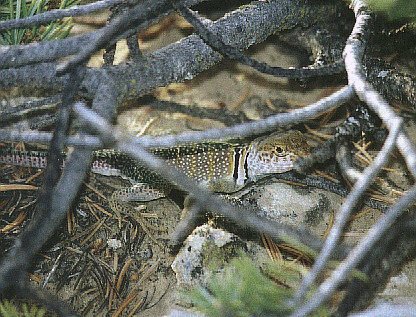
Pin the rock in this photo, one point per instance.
(206, 251)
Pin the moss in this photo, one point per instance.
(243, 290)
(215, 257)
(10, 309)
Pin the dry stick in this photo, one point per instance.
(346, 210)
(344, 159)
(366, 244)
(19, 55)
(387, 257)
(241, 130)
(41, 137)
(205, 198)
(143, 11)
(185, 227)
(43, 225)
(52, 271)
(327, 185)
(57, 14)
(31, 110)
(47, 193)
(223, 115)
(57, 144)
(22, 111)
(172, 63)
(252, 128)
(20, 256)
(258, 21)
(353, 55)
(231, 52)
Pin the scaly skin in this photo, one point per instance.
(222, 167)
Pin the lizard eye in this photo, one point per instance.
(279, 149)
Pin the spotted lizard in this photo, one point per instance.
(222, 167)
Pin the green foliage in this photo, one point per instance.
(17, 9)
(7, 309)
(395, 9)
(242, 290)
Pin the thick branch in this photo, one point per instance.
(241, 130)
(187, 58)
(57, 14)
(353, 54)
(19, 55)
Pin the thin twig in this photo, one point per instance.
(231, 52)
(52, 15)
(325, 184)
(131, 19)
(240, 130)
(353, 55)
(185, 227)
(347, 208)
(358, 253)
(53, 203)
(19, 55)
(344, 160)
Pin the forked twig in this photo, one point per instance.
(345, 212)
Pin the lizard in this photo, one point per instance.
(220, 166)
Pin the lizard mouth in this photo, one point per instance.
(264, 163)
(283, 165)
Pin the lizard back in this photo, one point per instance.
(222, 167)
(211, 164)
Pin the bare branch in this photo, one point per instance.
(344, 159)
(131, 19)
(58, 194)
(229, 51)
(46, 51)
(358, 253)
(325, 184)
(346, 210)
(50, 210)
(391, 83)
(45, 137)
(253, 128)
(57, 14)
(240, 130)
(34, 65)
(166, 65)
(353, 54)
(185, 227)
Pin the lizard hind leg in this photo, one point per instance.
(138, 192)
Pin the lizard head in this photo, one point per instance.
(275, 153)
